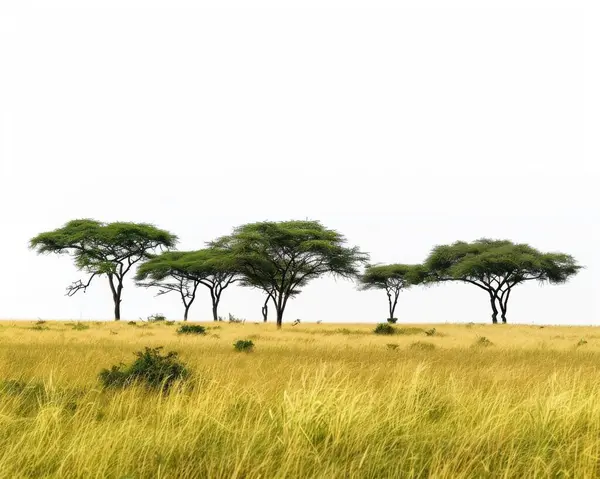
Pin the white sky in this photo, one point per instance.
(400, 127)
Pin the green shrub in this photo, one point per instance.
(430, 332)
(151, 369)
(169, 323)
(80, 326)
(392, 346)
(155, 318)
(191, 329)
(582, 342)
(131, 323)
(39, 327)
(392, 320)
(245, 345)
(384, 328)
(422, 346)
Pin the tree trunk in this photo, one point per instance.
(504, 305)
(494, 309)
(279, 318)
(185, 314)
(215, 312)
(117, 308)
(265, 312)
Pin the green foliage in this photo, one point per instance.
(392, 320)
(496, 266)
(191, 329)
(132, 323)
(183, 271)
(501, 258)
(103, 249)
(392, 276)
(384, 328)
(78, 326)
(39, 327)
(150, 368)
(244, 345)
(282, 257)
(156, 318)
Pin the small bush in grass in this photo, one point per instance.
(39, 327)
(384, 328)
(80, 326)
(245, 345)
(392, 320)
(582, 342)
(151, 368)
(483, 341)
(156, 318)
(191, 329)
(430, 332)
(169, 323)
(422, 346)
(131, 323)
(392, 346)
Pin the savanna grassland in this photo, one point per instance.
(314, 401)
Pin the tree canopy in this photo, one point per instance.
(103, 249)
(183, 271)
(393, 278)
(282, 257)
(496, 266)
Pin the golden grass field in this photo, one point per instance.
(312, 401)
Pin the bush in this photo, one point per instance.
(581, 342)
(155, 318)
(392, 346)
(245, 345)
(430, 332)
(191, 329)
(132, 323)
(151, 369)
(392, 320)
(422, 346)
(384, 328)
(39, 327)
(80, 326)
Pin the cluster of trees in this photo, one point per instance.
(280, 258)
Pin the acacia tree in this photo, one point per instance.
(103, 249)
(182, 272)
(497, 266)
(281, 257)
(167, 272)
(393, 278)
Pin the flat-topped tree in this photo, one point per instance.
(184, 271)
(104, 249)
(281, 257)
(392, 278)
(497, 266)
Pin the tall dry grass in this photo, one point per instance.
(319, 401)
